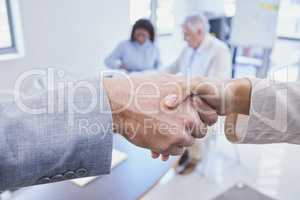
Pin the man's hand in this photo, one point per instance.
(140, 115)
(226, 97)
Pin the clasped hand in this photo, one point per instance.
(163, 113)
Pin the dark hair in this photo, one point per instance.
(143, 24)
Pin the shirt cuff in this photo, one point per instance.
(237, 125)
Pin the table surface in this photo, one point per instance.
(129, 181)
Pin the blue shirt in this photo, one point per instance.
(137, 57)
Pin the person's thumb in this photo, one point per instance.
(173, 101)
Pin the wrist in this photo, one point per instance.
(112, 94)
(238, 96)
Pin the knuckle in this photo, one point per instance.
(166, 147)
(212, 119)
(203, 132)
(191, 141)
(176, 138)
(177, 151)
(189, 122)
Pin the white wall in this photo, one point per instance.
(171, 46)
(213, 6)
(71, 34)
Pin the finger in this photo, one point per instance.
(165, 157)
(155, 155)
(203, 87)
(207, 114)
(202, 131)
(186, 139)
(171, 101)
(176, 151)
(195, 127)
(199, 130)
(211, 93)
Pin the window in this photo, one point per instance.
(289, 19)
(7, 43)
(165, 19)
(230, 7)
(139, 9)
(160, 12)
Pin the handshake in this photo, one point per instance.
(166, 113)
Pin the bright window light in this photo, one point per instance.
(160, 12)
(6, 39)
(165, 17)
(289, 19)
(230, 7)
(139, 9)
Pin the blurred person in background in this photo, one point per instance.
(139, 53)
(206, 56)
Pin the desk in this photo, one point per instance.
(129, 181)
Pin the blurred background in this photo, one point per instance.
(76, 36)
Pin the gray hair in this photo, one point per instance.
(195, 21)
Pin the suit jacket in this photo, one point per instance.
(211, 59)
(274, 115)
(57, 135)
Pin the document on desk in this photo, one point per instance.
(117, 158)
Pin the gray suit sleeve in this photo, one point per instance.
(58, 135)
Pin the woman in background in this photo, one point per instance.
(138, 54)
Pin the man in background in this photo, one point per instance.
(204, 55)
